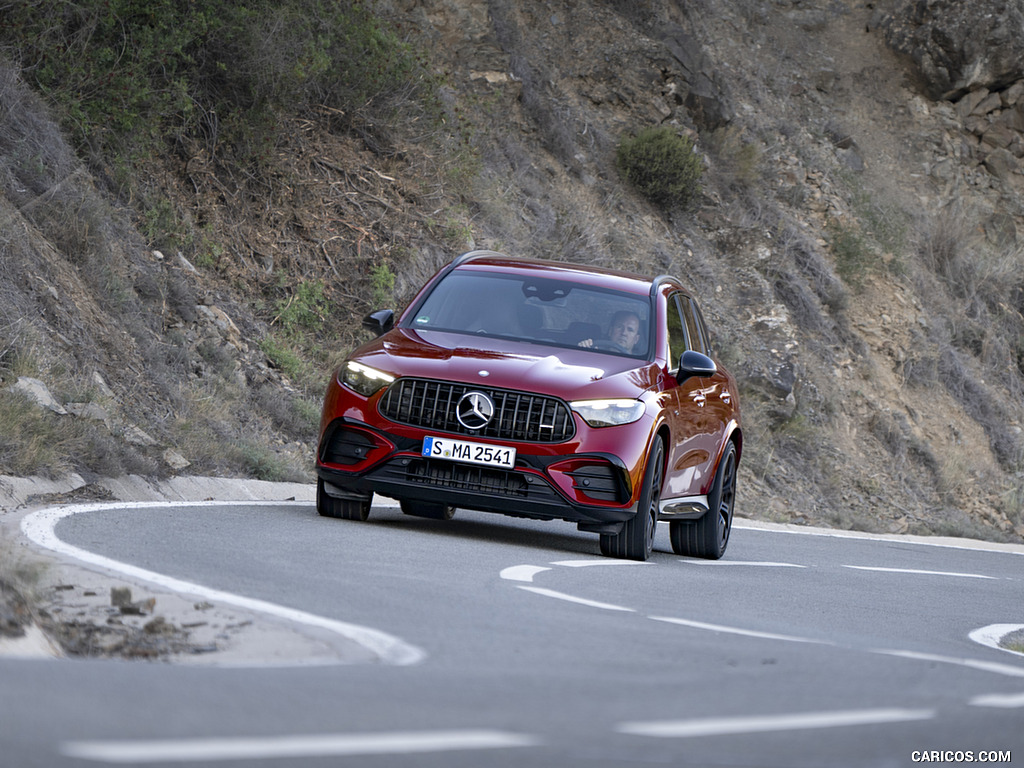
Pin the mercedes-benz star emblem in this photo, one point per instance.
(474, 410)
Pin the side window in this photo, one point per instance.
(677, 339)
(695, 328)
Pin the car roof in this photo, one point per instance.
(492, 261)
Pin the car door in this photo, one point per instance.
(720, 411)
(693, 434)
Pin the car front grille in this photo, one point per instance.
(517, 415)
(465, 477)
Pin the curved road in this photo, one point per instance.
(486, 641)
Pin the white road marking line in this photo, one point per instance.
(719, 726)
(606, 561)
(292, 746)
(918, 572)
(993, 635)
(527, 572)
(577, 600)
(753, 563)
(39, 527)
(999, 700)
(737, 630)
(522, 572)
(984, 666)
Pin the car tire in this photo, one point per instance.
(708, 537)
(636, 540)
(427, 509)
(345, 509)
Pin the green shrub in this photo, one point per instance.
(737, 160)
(284, 356)
(261, 463)
(662, 165)
(305, 308)
(855, 259)
(125, 74)
(383, 281)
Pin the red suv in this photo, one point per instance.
(540, 390)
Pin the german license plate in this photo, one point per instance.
(472, 453)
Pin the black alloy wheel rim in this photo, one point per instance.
(728, 498)
(652, 511)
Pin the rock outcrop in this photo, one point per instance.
(958, 47)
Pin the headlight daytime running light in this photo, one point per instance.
(364, 379)
(608, 413)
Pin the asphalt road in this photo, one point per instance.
(501, 642)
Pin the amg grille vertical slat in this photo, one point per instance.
(518, 415)
(422, 400)
(500, 417)
(447, 409)
(515, 417)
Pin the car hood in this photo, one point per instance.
(506, 364)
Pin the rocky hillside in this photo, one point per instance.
(855, 244)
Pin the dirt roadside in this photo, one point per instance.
(54, 606)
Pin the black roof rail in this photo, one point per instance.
(470, 255)
(659, 280)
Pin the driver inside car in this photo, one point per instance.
(623, 334)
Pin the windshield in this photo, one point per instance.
(548, 311)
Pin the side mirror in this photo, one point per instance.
(380, 322)
(695, 364)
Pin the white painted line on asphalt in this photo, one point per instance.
(992, 636)
(736, 630)
(984, 666)
(577, 600)
(195, 750)
(606, 561)
(919, 572)
(999, 701)
(720, 726)
(527, 572)
(752, 563)
(39, 527)
(522, 572)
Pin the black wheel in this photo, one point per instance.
(709, 536)
(328, 506)
(636, 540)
(430, 510)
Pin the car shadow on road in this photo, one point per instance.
(555, 537)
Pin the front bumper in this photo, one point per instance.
(592, 490)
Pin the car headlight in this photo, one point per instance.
(608, 413)
(364, 379)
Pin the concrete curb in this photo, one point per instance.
(17, 492)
